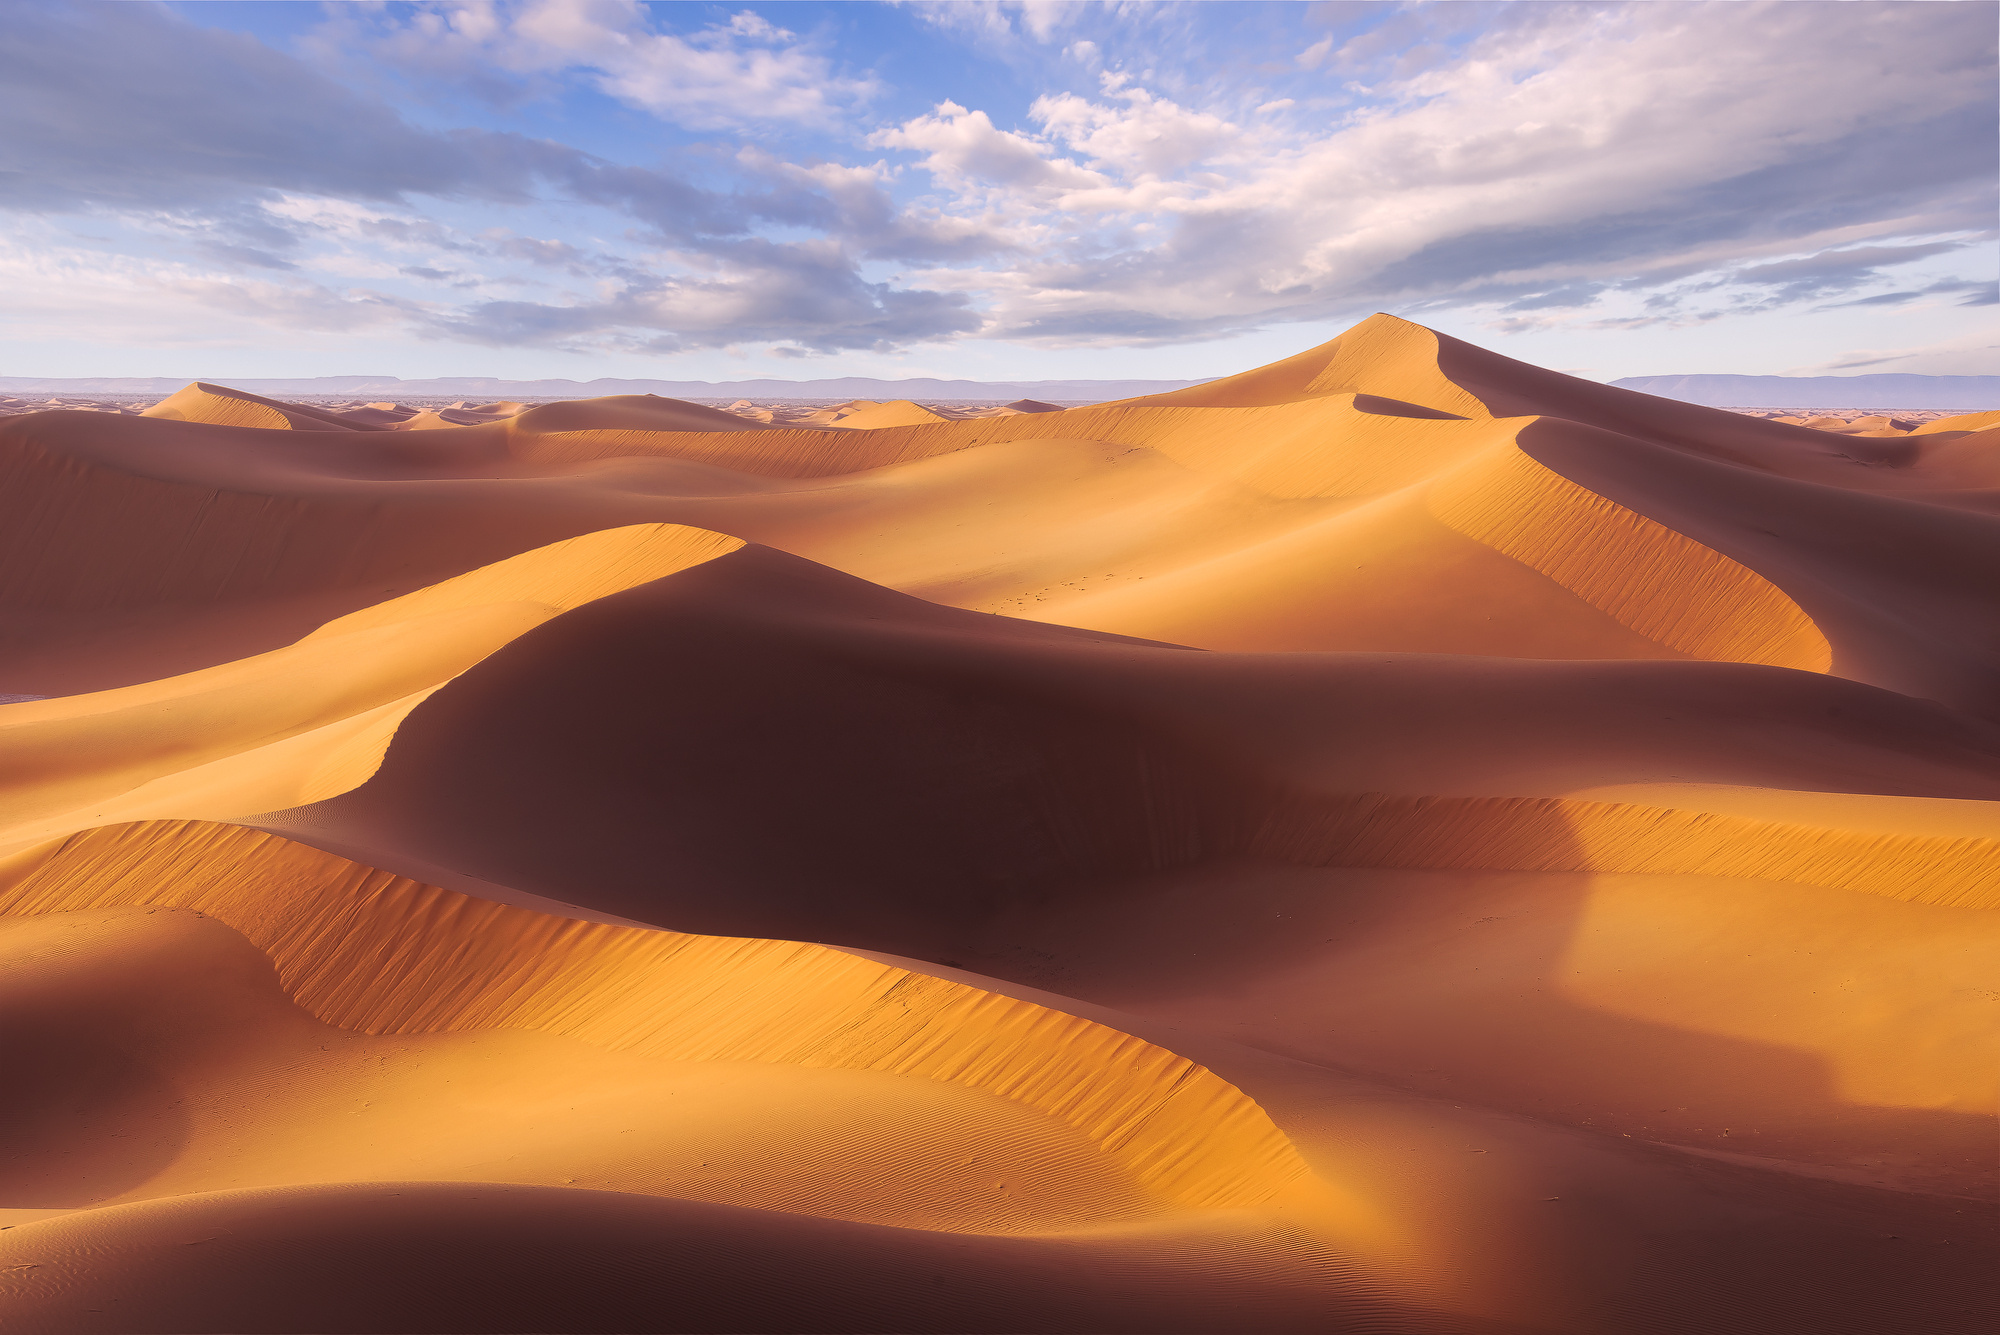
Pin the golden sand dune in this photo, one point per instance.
(365, 951)
(220, 406)
(1397, 839)
(1326, 514)
(896, 412)
(309, 720)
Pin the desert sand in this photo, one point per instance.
(1395, 840)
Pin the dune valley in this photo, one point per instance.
(1396, 840)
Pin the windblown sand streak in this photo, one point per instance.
(1353, 903)
(368, 950)
(1558, 834)
(1669, 588)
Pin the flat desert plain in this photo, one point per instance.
(1398, 840)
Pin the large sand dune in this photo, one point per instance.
(1394, 840)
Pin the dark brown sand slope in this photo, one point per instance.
(1397, 840)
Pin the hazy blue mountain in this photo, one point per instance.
(1968, 392)
(483, 387)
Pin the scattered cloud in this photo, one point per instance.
(738, 71)
(251, 159)
(1975, 292)
(1135, 134)
(151, 111)
(1835, 271)
(1553, 157)
(757, 295)
(1554, 166)
(964, 149)
(1975, 354)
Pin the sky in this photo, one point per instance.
(583, 188)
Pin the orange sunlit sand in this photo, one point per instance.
(1398, 839)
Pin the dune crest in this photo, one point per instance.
(220, 406)
(311, 720)
(1393, 839)
(379, 954)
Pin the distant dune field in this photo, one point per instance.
(1395, 840)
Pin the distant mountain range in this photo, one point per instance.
(483, 387)
(1970, 392)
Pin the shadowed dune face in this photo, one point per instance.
(1397, 839)
(374, 954)
(933, 764)
(441, 1257)
(1351, 499)
(1030, 803)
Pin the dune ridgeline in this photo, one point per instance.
(1396, 840)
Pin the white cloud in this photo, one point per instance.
(962, 146)
(741, 70)
(53, 288)
(1555, 171)
(1575, 150)
(1043, 17)
(1144, 137)
(1038, 19)
(1968, 354)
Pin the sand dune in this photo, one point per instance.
(1348, 519)
(1397, 839)
(897, 412)
(219, 406)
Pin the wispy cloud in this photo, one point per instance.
(1133, 180)
(739, 70)
(1541, 165)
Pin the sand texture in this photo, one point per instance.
(1395, 840)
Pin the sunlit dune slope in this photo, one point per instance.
(452, 1257)
(1966, 422)
(309, 720)
(879, 772)
(1904, 588)
(896, 412)
(218, 405)
(629, 412)
(1356, 497)
(1394, 840)
(378, 954)
(913, 748)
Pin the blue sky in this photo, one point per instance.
(601, 187)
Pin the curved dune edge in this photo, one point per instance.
(1366, 415)
(1562, 834)
(1644, 575)
(456, 1257)
(202, 403)
(367, 950)
(1289, 450)
(204, 544)
(311, 720)
(644, 412)
(1982, 421)
(561, 576)
(892, 412)
(1649, 578)
(218, 405)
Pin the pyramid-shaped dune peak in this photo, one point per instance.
(630, 412)
(894, 412)
(1382, 356)
(1377, 841)
(221, 406)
